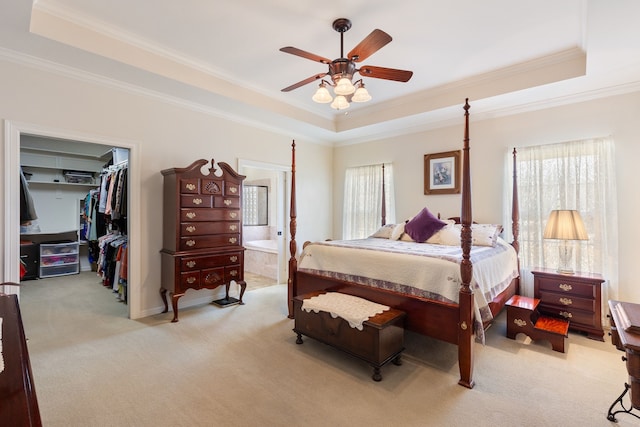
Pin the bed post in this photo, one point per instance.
(384, 203)
(466, 324)
(515, 208)
(293, 247)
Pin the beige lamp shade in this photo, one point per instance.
(565, 225)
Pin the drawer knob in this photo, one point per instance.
(233, 258)
(191, 264)
(233, 215)
(232, 240)
(565, 287)
(191, 228)
(233, 227)
(191, 280)
(190, 186)
(191, 243)
(233, 190)
(233, 273)
(566, 301)
(566, 314)
(227, 202)
(191, 215)
(197, 201)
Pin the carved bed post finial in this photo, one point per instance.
(293, 247)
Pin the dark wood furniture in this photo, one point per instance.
(379, 342)
(30, 256)
(202, 232)
(523, 317)
(449, 322)
(629, 342)
(18, 401)
(576, 298)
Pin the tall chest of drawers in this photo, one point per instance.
(576, 298)
(202, 232)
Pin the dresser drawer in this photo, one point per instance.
(196, 201)
(226, 202)
(204, 228)
(569, 301)
(212, 277)
(190, 186)
(211, 186)
(195, 215)
(233, 272)
(198, 263)
(567, 286)
(231, 189)
(213, 241)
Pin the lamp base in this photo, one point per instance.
(566, 271)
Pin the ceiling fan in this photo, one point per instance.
(343, 69)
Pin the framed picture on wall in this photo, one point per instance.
(442, 173)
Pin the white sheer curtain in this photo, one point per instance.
(577, 175)
(363, 200)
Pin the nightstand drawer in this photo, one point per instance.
(575, 317)
(566, 286)
(569, 301)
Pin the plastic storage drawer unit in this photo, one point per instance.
(59, 259)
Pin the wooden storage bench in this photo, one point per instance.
(380, 341)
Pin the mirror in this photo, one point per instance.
(255, 205)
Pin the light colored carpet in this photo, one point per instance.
(240, 366)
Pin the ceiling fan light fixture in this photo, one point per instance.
(322, 95)
(344, 87)
(340, 103)
(361, 95)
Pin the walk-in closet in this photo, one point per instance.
(73, 215)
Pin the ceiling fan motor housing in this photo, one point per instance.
(341, 67)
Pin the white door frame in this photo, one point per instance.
(13, 131)
(283, 177)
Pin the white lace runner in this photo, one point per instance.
(354, 310)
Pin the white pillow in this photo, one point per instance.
(483, 234)
(384, 232)
(398, 231)
(448, 235)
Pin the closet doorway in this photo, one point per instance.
(61, 171)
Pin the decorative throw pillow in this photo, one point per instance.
(423, 225)
(384, 232)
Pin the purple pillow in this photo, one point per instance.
(423, 226)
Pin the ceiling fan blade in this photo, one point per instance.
(305, 54)
(304, 82)
(370, 45)
(385, 73)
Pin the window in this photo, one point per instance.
(577, 175)
(363, 200)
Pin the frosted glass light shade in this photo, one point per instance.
(344, 87)
(361, 95)
(340, 103)
(322, 95)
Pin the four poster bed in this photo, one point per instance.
(455, 317)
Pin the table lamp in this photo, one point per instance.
(565, 225)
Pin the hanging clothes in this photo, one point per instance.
(27, 207)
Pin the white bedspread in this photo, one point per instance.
(420, 269)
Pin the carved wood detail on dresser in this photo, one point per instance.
(202, 232)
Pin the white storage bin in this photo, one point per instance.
(58, 259)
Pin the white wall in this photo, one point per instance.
(490, 140)
(166, 136)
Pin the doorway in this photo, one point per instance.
(274, 231)
(16, 135)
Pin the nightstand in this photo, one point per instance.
(576, 297)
